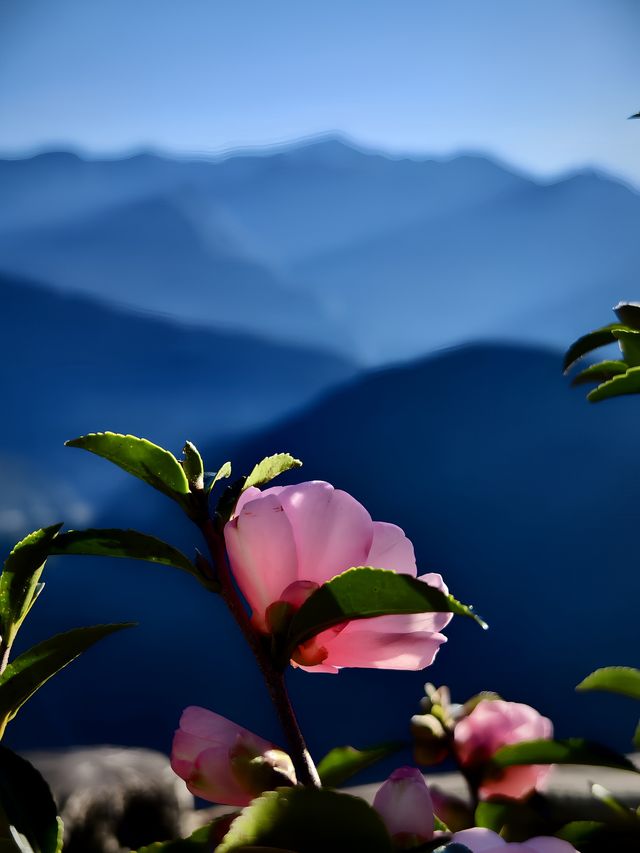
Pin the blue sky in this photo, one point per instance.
(544, 84)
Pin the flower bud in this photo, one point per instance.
(491, 725)
(224, 763)
(431, 743)
(404, 804)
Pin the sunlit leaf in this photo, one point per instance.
(629, 341)
(193, 466)
(199, 841)
(20, 580)
(221, 474)
(308, 820)
(628, 383)
(139, 457)
(614, 679)
(600, 372)
(269, 468)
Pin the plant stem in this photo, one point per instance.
(305, 768)
(471, 777)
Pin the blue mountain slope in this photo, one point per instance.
(153, 254)
(383, 258)
(70, 365)
(61, 186)
(507, 482)
(323, 196)
(496, 269)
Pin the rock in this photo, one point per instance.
(115, 799)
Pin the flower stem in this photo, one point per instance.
(305, 768)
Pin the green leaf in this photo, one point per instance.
(440, 825)
(222, 474)
(602, 371)
(581, 832)
(628, 383)
(269, 468)
(193, 466)
(199, 841)
(19, 583)
(308, 820)
(139, 457)
(571, 751)
(492, 814)
(614, 679)
(341, 763)
(30, 670)
(28, 807)
(636, 737)
(630, 345)
(121, 543)
(617, 808)
(589, 342)
(363, 592)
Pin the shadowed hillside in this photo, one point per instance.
(71, 365)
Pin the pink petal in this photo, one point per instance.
(332, 531)
(435, 580)
(479, 840)
(516, 782)
(321, 667)
(404, 804)
(211, 728)
(391, 549)
(212, 779)
(385, 642)
(184, 751)
(494, 724)
(262, 552)
(252, 493)
(548, 845)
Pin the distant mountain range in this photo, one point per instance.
(507, 482)
(377, 257)
(70, 364)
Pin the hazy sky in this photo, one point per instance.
(544, 84)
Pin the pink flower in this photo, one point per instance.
(404, 804)
(285, 542)
(491, 725)
(225, 763)
(480, 840)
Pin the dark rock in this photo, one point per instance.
(114, 799)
